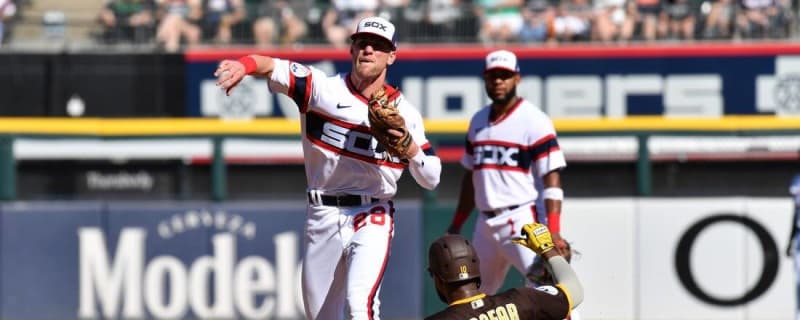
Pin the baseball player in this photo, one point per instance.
(792, 247)
(351, 178)
(454, 266)
(509, 146)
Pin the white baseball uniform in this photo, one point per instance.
(506, 156)
(351, 180)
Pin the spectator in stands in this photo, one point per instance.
(394, 11)
(785, 19)
(648, 16)
(8, 10)
(281, 19)
(758, 18)
(128, 20)
(342, 16)
(538, 27)
(443, 20)
(680, 19)
(613, 20)
(573, 20)
(718, 22)
(219, 18)
(501, 20)
(178, 20)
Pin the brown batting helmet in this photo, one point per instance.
(453, 259)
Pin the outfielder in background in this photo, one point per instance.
(351, 178)
(510, 144)
(793, 247)
(454, 267)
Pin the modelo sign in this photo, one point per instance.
(174, 260)
(571, 82)
(217, 286)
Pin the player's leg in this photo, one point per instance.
(323, 265)
(518, 256)
(367, 256)
(492, 264)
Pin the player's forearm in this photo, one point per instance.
(553, 196)
(553, 209)
(426, 170)
(566, 277)
(256, 65)
(466, 202)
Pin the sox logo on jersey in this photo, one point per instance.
(492, 155)
(347, 139)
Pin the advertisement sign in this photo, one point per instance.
(705, 81)
(39, 258)
(646, 259)
(181, 260)
(708, 258)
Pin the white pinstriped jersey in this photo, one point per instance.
(507, 154)
(340, 154)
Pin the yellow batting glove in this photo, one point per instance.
(536, 237)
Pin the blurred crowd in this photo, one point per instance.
(175, 24)
(8, 10)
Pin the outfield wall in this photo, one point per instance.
(707, 81)
(133, 260)
(702, 80)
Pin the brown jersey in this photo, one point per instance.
(541, 303)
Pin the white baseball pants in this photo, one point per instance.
(347, 249)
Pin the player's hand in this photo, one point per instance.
(536, 237)
(413, 147)
(561, 244)
(229, 73)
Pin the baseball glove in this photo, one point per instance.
(536, 237)
(540, 272)
(384, 115)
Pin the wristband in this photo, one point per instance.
(249, 63)
(553, 193)
(554, 222)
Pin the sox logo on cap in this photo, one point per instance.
(502, 59)
(377, 26)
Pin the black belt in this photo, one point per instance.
(348, 200)
(494, 213)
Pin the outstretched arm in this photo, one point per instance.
(538, 238)
(565, 276)
(230, 72)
